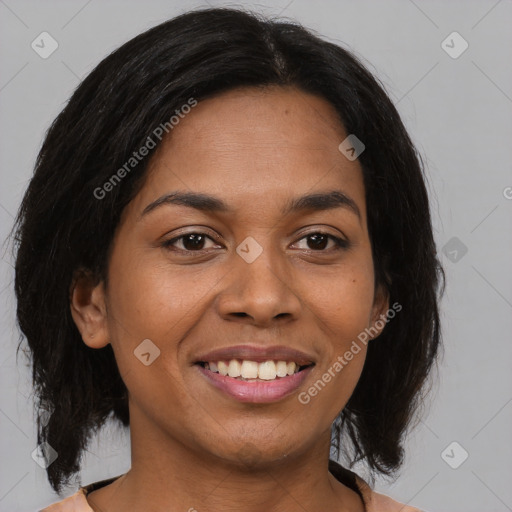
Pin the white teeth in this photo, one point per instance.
(223, 368)
(250, 370)
(234, 368)
(290, 368)
(281, 369)
(267, 370)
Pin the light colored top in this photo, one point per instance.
(374, 502)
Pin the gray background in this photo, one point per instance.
(458, 112)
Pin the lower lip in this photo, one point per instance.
(256, 391)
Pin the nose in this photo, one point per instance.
(259, 293)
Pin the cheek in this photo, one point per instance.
(156, 302)
(343, 304)
(151, 308)
(342, 309)
(153, 300)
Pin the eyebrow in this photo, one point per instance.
(211, 204)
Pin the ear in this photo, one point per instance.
(87, 302)
(380, 307)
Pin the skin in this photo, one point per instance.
(194, 447)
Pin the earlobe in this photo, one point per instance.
(87, 303)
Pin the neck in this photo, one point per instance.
(167, 475)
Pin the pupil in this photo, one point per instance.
(193, 241)
(318, 245)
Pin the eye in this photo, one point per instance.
(191, 242)
(197, 242)
(318, 241)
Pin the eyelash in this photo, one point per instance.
(340, 243)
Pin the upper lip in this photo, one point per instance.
(257, 353)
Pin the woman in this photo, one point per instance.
(227, 246)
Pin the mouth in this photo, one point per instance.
(252, 371)
(256, 374)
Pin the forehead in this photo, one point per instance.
(252, 146)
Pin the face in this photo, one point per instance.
(255, 272)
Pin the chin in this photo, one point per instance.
(256, 453)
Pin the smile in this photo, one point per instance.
(250, 381)
(252, 371)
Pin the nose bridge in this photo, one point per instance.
(258, 286)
